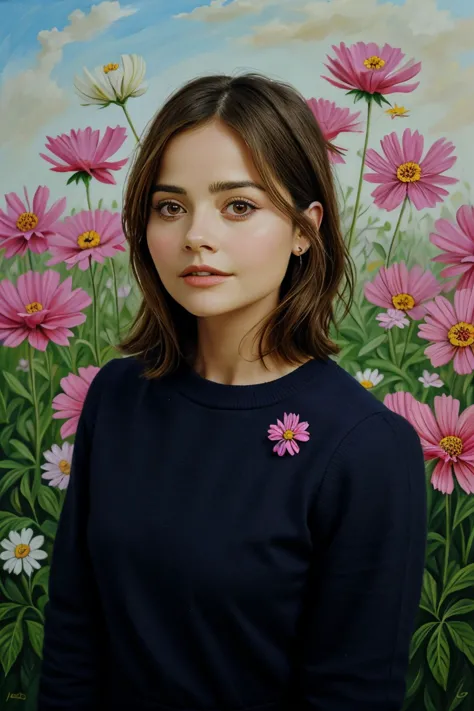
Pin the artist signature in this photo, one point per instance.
(18, 697)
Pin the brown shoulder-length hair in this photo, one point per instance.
(288, 150)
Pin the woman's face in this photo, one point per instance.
(208, 213)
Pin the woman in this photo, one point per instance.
(245, 523)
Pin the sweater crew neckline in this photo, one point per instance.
(241, 397)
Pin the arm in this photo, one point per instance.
(73, 628)
(369, 531)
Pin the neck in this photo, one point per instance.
(228, 351)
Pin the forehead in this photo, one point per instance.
(212, 151)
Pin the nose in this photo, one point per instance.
(199, 237)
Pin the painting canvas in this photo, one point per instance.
(391, 85)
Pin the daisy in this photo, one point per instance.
(402, 172)
(22, 552)
(369, 378)
(58, 469)
(445, 435)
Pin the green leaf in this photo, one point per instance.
(428, 701)
(49, 528)
(42, 601)
(48, 501)
(461, 579)
(7, 608)
(438, 656)
(100, 203)
(415, 684)
(41, 577)
(373, 344)
(459, 696)
(114, 204)
(3, 409)
(460, 607)
(11, 642)
(8, 480)
(380, 250)
(463, 637)
(11, 522)
(429, 593)
(464, 508)
(12, 592)
(36, 635)
(419, 637)
(388, 366)
(15, 385)
(22, 449)
(15, 501)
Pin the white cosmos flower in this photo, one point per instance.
(58, 469)
(112, 83)
(22, 551)
(430, 380)
(369, 378)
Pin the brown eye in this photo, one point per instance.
(240, 208)
(168, 209)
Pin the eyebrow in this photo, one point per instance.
(218, 187)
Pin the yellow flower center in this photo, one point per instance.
(461, 334)
(409, 172)
(88, 239)
(27, 221)
(64, 467)
(112, 67)
(374, 62)
(34, 307)
(396, 111)
(403, 302)
(22, 550)
(288, 434)
(367, 384)
(452, 445)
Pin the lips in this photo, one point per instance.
(202, 270)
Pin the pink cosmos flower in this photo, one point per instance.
(69, 404)
(446, 436)
(83, 151)
(370, 68)
(334, 120)
(391, 318)
(97, 234)
(23, 227)
(457, 243)
(451, 328)
(40, 309)
(401, 172)
(287, 432)
(403, 289)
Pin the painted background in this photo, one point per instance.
(408, 337)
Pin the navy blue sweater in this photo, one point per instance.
(196, 570)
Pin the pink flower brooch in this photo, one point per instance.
(287, 432)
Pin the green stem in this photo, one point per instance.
(127, 115)
(409, 330)
(448, 538)
(116, 301)
(30, 260)
(95, 315)
(87, 183)
(361, 175)
(34, 394)
(391, 345)
(395, 232)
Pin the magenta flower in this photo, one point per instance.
(368, 68)
(287, 432)
(97, 234)
(84, 152)
(69, 403)
(391, 318)
(446, 436)
(396, 287)
(457, 243)
(401, 172)
(40, 309)
(451, 330)
(23, 227)
(332, 121)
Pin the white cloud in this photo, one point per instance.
(32, 98)
(424, 31)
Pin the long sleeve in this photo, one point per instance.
(73, 632)
(368, 522)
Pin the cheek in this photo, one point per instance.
(163, 246)
(266, 247)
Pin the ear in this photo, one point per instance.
(315, 213)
